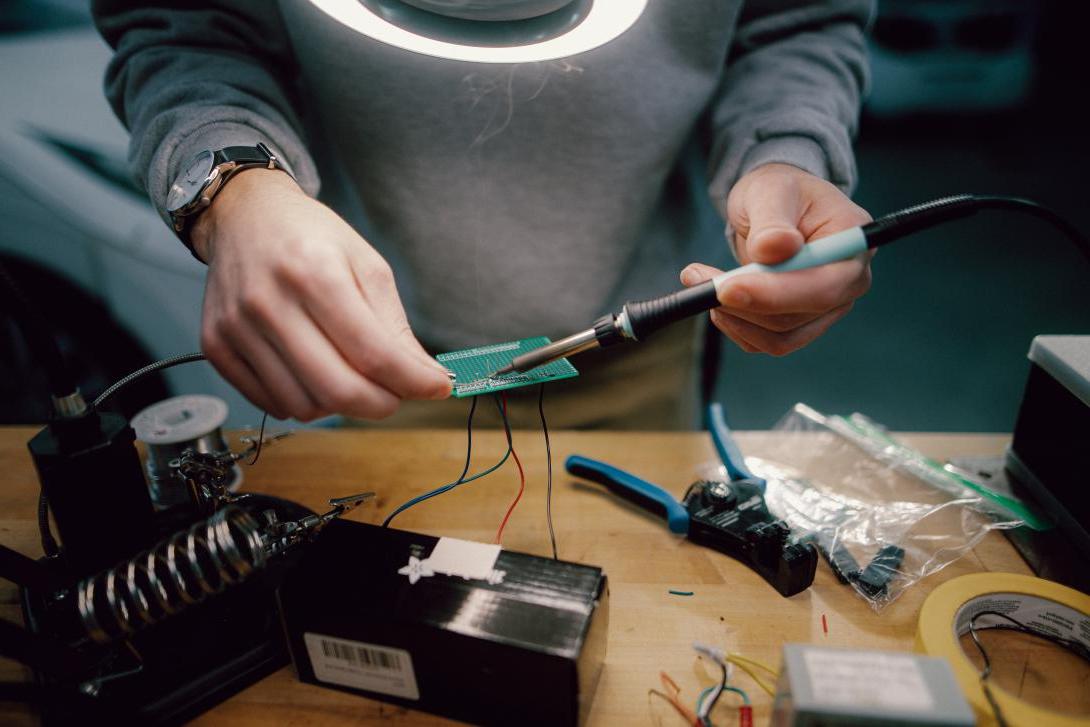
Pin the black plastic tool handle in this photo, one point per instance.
(647, 316)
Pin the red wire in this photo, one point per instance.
(522, 480)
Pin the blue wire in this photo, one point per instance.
(462, 479)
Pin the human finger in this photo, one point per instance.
(814, 290)
(380, 289)
(241, 376)
(282, 385)
(776, 343)
(332, 298)
(765, 217)
(787, 299)
(331, 382)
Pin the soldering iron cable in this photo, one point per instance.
(637, 320)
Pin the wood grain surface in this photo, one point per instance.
(650, 629)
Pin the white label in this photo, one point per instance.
(463, 558)
(1036, 613)
(867, 679)
(362, 666)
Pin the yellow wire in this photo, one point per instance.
(743, 664)
(754, 662)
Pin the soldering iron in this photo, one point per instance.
(637, 320)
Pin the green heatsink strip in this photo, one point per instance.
(472, 366)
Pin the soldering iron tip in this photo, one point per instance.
(500, 372)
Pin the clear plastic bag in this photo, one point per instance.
(882, 515)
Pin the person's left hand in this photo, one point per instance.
(774, 210)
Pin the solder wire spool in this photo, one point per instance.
(1039, 604)
(172, 426)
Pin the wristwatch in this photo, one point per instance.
(202, 179)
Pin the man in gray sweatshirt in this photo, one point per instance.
(506, 199)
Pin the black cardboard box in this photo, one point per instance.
(364, 612)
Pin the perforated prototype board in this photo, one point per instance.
(472, 366)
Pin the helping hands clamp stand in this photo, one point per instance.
(177, 628)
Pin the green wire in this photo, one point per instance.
(736, 690)
(726, 688)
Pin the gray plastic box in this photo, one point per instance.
(830, 687)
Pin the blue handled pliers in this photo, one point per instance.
(651, 496)
(730, 517)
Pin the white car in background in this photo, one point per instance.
(117, 287)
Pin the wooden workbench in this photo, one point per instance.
(649, 630)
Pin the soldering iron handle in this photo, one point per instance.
(839, 246)
(640, 319)
(647, 316)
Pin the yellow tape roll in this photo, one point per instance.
(1035, 602)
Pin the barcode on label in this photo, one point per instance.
(371, 667)
(361, 656)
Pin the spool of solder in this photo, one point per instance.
(172, 426)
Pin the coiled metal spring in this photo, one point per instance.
(179, 572)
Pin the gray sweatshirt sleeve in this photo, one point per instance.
(191, 76)
(791, 92)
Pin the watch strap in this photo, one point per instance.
(249, 155)
(243, 157)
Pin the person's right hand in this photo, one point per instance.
(300, 313)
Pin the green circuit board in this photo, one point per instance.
(471, 368)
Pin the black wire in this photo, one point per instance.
(165, 363)
(904, 222)
(1075, 647)
(49, 543)
(722, 688)
(548, 469)
(260, 438)
(503, 415)
(1044, 213)
(461, 478)
(469, 440)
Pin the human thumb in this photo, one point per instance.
(773, 210)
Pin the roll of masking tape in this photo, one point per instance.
(1037, 603)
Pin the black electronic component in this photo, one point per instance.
(732, 517)
(92, 478)
(873, 579)
(524, 645)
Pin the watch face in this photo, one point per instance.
(189, 183)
